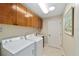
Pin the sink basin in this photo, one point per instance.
(34, 38)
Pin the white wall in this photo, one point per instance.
(12, 30)
(68, 41)
(45, 25)
(45, 29)
(76, 14)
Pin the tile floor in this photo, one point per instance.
(49, 51)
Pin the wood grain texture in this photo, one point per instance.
(7, 14)
(14, 17)
(21, 19)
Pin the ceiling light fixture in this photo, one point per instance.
(52, 8)
(43, 7)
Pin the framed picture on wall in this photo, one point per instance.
(69, 22)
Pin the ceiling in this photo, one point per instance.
(59, 9)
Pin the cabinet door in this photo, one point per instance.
(30, 19)
(40, 23)
(29, 22)
(21, 19)
(37, 22)
(7, 14)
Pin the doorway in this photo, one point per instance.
(55, 32)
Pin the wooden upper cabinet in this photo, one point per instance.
(15, 14)
(7, 14)
(21, 19)
(30, 19)
(40, 23)
(35, 22)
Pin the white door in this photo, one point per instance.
(55, 33)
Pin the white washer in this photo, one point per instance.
(17, 47)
